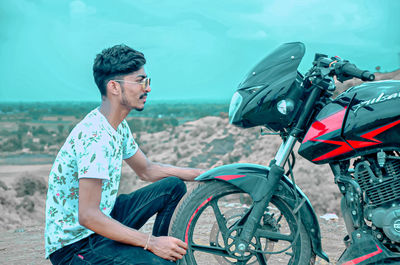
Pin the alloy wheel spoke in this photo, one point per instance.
(220, 218)
(210, 249)
(274, 235)
(261, 259)
(279, 218)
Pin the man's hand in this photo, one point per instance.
(167, 247)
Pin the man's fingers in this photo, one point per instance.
(171, 248)
(176, 256)
(180, 250)
(181, 244)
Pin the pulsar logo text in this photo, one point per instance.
(381, 98)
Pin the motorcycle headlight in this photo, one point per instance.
(234, 106)
(285, 106)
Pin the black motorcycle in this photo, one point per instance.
(253, 214)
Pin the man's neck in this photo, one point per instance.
(114, 113)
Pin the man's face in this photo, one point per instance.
(133, 90)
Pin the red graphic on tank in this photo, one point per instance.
(333, 123)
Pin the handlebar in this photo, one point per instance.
(343, 69)
(346, 68)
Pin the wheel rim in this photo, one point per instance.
(216, 237)
(210, 232)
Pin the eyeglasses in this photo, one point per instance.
(145, 82)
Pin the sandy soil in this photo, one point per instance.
(21, 233)
(25, 245)
(205, 143)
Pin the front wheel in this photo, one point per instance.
(211, 217)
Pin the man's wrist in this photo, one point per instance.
(151, 243)
(146, 246)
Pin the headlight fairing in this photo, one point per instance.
(236, 101)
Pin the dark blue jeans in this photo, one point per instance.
(132, 210)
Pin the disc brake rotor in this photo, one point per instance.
(216, 238)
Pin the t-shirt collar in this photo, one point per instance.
(106, 124)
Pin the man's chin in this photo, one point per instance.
(139, 109)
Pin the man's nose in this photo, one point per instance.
(147, 89)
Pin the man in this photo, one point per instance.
(85, 222)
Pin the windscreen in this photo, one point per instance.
(281, 63)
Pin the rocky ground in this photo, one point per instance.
(205, 143)
(24, 246)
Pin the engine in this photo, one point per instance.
(379, 179)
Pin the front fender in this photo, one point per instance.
(250, 177)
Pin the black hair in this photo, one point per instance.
(113, 62)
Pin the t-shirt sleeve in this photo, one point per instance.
(129, 145)
(92, 157)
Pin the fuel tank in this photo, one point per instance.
(361, 120)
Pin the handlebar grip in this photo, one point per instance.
(352, 70)
(367, 76)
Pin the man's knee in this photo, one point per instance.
(177, 185)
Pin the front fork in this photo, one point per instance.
(274, 176)
(276, 171)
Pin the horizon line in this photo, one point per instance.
(154, 101)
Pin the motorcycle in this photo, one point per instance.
(254, 214)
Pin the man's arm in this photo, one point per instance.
(150, 171)
(92, 218)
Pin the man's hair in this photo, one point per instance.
(114, 62)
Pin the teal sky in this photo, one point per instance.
(195, 50)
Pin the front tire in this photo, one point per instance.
(208, 222)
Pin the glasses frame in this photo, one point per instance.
(145, 82)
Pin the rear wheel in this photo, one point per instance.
(209, 221)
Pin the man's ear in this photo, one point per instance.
(113, 88)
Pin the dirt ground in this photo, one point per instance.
(21, 236)
(25, 245)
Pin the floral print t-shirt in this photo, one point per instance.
(94, 149)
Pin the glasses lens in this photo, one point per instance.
(146, 83)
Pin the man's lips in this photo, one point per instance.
(143, 96)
